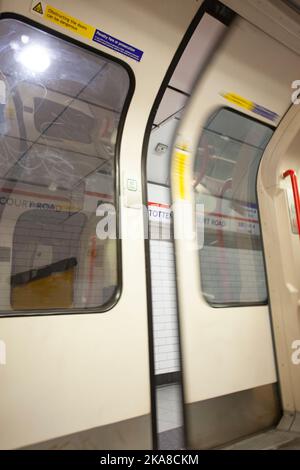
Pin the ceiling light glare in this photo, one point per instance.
(24, 39)
(34, 58)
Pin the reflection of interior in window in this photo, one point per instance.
(59, 119)
(225, 172)
(45, 253)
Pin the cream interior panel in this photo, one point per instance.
(274, 17)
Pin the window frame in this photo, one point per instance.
(111, 303)
(225, 305)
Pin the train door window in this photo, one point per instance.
(225, 172)
(61, 109)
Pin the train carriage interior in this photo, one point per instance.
(149, 225)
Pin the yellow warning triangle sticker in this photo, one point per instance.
(38, 8)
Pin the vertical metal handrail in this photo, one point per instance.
(295, 188)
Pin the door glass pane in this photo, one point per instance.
(225, 172)
(60, 109)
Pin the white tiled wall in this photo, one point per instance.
(164, 307)
(166, 341)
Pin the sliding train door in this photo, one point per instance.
(228, 362)
(77, 83)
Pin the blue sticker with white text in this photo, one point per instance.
(117, 45)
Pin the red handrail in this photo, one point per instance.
(294, 182)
